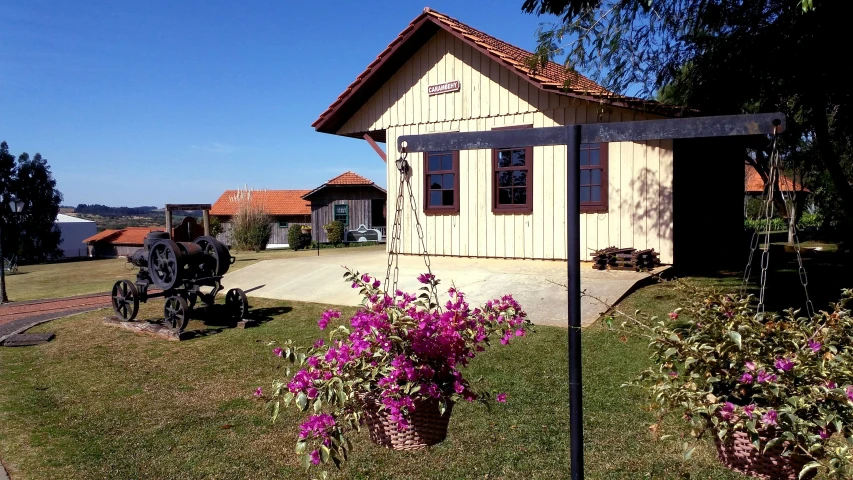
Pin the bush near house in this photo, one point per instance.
(335, 232)
(251, 224)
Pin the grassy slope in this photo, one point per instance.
(100, 402)
(94, 276)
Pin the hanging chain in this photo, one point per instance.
(768, 209)
(801, 271)
(404, 186)
(394, 249)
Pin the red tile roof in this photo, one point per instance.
(124, 236)
(344, 179)
(349, 178)
(753, 183)
(274, 202)
(551, 77)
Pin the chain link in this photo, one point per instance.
(393, 272)
(768, 212)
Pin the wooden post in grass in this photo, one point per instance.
(572, 136)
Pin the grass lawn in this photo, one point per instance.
(65, 279)
(100, 402)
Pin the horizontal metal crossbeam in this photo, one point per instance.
(693, 127)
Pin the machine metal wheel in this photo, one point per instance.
(236, 303)
(164, 263)
(217, 256)
(176, 313)
(125, 299)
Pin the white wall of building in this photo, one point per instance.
(74, 231)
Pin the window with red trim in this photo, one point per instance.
(441, 183)
(512, 180)
(593, 184)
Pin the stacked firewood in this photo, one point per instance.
(612, 258)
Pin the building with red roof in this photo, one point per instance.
(349, 197)
(442, 75)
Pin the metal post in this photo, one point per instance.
(3, 297)
(573, 212)
(206, 220)
(169, 222)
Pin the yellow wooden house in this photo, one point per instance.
(440, 75)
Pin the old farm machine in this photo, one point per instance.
(179, 271)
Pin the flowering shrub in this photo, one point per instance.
(787, 377)
(398, 348)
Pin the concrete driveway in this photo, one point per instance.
(319, 279)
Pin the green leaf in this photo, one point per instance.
(670, 352)
(318, 405)
(301, 446)
(735, 336)
(688, 453)
(324, 453)
(275, 411)
(808, 468)
(306, 461)
(302, 401)
(288, 397)
(771, 444)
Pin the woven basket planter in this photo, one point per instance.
(426, 425)
(739, 454)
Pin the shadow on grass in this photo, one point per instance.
(826, 273)
(217, 320)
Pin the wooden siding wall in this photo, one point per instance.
(278, 235)
(639, 181)
(359, 201)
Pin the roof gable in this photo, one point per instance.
(552, 77)
(274, 202)
(346, 179)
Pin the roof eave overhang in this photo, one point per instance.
(414, 37)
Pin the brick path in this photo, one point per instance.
(18, 316)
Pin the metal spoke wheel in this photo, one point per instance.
(236, 303)
(176, 313)
(164, 262)
(217, 257)
(125, 299)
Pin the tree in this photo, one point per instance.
(32, 235)
(721, 57)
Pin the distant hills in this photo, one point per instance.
(105, 211)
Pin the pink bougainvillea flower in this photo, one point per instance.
(315, 457)
(425, 278)
(327, 316)
(319, 343)
(376, 284)
(770, 417)
(727, 411)
(501, 397)
(277, 351)
(784, 364)
(750, 365)
(849, 392)
(729, 313)
(259, 391)
(831, 385)
(824, 434)
(673, 315)
(673, 374)
(749, 409)
(746, 378)
(766, 377)
(814, 346)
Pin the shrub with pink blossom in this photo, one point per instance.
(723, 368)
(398, 348)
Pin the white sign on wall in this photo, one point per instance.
(444, 87)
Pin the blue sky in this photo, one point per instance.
(147, 103)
